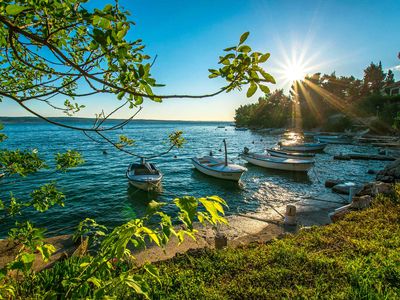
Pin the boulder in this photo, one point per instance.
(361, 202)
(375, 188)
(391, 173)
(344, 188)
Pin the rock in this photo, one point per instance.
(361, 202)
(375, 188)
(339, 213)
(391, 173)
(344, 188)
(332, 182)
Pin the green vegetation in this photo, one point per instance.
(356, 258)
(60, 48)
(329, 102)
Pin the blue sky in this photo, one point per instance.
(188, 36)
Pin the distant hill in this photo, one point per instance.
(35, 120)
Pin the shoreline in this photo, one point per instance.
(246, 228)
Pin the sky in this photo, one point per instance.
(188, 36)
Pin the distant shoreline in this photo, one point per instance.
(36, 120)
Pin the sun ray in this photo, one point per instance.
(310, 102)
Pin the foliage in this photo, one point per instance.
(352, 259)
(46, 196)
(318, 97)
(374, 79)
(272, 110)
(338, 123)
(241, 67)
(3, 137)
(20, 162)
(63, 49)
(386, 108)
(112, 250)
(68, 160)
(109, 271)
(355, 258)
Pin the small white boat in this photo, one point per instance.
(278, 163)
(2, 175)
(334, 139)
(144, 176)
(218, 168)
(304, 147)
(287, 154)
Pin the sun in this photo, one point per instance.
(294, 72)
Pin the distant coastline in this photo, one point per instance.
(36, 120)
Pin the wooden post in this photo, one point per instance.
(221, 240)
(290, 215)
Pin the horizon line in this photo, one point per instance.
(117, 119)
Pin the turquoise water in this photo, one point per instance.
(99, 189)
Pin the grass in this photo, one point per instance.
(356, 258)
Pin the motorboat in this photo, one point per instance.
(293, 155)
(278, 163)
(304, 147)
(334, 139)
(219, 168)
(144, 176)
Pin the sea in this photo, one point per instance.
(99, 189)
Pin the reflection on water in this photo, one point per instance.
(227, 185)
(99, 189)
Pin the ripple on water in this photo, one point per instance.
(99, 189)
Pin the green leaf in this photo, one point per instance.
(252, 89)
(152, 270)
(268, 77)
(244, 49)
(244, 37)
(14, 9)
(264, 88)
(95, 281)
(264, 57)
(230, 49)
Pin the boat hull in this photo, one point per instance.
(290, 155)
(333, 140)
(304, 147)
(284, 166)
(151, 185)
(233, 176)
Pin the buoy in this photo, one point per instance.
(290, 215)
(175, 156)
(104, 152)
(252, 142)
(221, 240)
